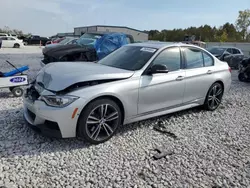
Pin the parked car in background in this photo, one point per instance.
(7, 35)
(135, 82)
(11, 42)
(4, 35)
(233, 56)
(50, 41)
(89, 47)
(35, 40)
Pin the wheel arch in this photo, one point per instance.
(111, 97)
(220, 82)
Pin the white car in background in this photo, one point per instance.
(11, 42)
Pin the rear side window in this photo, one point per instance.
(208, 60)
(236, 51)
(194, 58)
(10, 38)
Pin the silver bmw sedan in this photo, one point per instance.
(135, 82)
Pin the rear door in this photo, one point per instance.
(199, 67)
(238, 55)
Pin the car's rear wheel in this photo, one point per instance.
(214, 97)
(99, 121)
(16, 45)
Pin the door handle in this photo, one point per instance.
(179, 78)
(209, 72)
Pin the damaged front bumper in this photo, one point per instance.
(51, 121)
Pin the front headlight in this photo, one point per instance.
(58, 101)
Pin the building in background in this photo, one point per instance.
(137, 34)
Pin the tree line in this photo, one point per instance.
(238, 32)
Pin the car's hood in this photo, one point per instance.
(59, 76)
(57, 50)
(49, 47)
(52, 45)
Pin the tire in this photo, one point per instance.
(241, 77)
(16, 45)
(99, 129)
(17, 91)
(214, 97)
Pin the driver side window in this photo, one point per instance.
(170, 57)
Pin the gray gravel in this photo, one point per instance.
(212, 149)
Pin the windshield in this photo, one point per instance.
(129, 57)
(64, 41)
(218, 51)
(88, 39)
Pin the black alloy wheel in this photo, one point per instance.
(99, 121)
(214, 97)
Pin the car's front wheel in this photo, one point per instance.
(99, 121)
(214, 96)
(16, 45)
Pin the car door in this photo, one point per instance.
(237, 57)
(11, 42)
(162, 90)
(199, 66)
(4, 42)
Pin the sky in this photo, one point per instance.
(48, 17)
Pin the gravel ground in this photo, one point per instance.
(212, 149)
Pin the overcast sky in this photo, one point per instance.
(48, 17)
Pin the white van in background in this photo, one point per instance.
(7, 35)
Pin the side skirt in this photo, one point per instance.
(164, 111)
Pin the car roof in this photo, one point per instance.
(224, 47)
(159, 45)
(104, 32)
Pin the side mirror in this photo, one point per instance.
(158, 68)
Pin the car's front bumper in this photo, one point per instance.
(50, 121)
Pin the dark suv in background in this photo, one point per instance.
(233, 56)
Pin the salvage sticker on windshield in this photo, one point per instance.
(151, 50)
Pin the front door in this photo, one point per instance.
(160, 91)
(200, 72)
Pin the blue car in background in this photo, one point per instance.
(89, 47)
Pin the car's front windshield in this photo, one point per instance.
(217, 51)
(64, 41)
(129, 57)
(88, 39)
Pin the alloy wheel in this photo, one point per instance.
(102, 122)
(215, 96)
